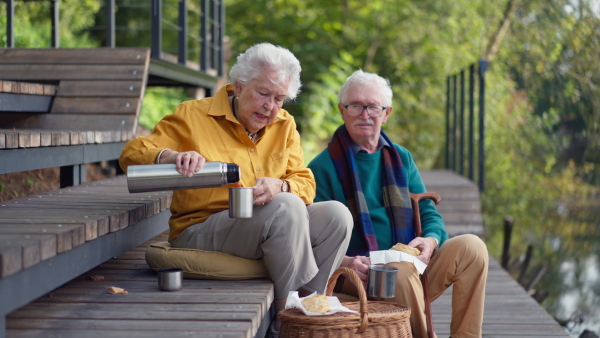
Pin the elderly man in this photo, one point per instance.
(363, 169)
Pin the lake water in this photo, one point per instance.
(570, 250)
(573, 287)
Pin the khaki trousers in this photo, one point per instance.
(462, 262)
(302, 245)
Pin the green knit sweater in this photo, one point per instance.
(329, 187)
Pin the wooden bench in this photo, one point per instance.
(94, 110)
(50, 238)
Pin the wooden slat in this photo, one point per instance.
(7, 86)
(24, 140)
(17, 87)
(99, 89)
(95, 122)
(71, 72)
(101, 56)
(68, 236)
(36, 247)
(12, 140)
(79, 105)
(11, 259)
(92, 221)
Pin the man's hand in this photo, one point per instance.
(427, 246)
(360, 265)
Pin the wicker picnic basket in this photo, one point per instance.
(374, 320)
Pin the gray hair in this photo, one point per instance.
(256, 59)
(363, 78)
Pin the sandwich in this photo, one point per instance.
(317, 303)
(406, 249)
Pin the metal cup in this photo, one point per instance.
(241, 202)
(382, 281)
(170, 279)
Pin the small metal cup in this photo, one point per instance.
(382, 281)
(241, 202)
(170, 279)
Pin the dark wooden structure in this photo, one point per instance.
(198, 57)
(49, 239)
(95, 97)
(93, 110)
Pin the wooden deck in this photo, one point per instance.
(509, 311)
(83, 308)
(203, 308)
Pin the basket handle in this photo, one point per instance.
(362, 295)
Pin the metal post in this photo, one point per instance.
(461, 127)
(508, 226)
(183, 32)
(204, 36)
(55, 8)
(221, 58)
(156, 29)
(10, 23)
(448, 122)
(72, 175)
(471, 122)
(525, 265)
(215, 34)
(482, 69)
(110, 23)
(454, 122)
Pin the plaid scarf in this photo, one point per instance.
(396, 197)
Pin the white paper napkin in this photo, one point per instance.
(294, 301)
(389, 256)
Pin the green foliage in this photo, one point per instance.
(323, 115)
(159, 102)
(413, 43)
(557, 67)
(33, 25)
(30, 182)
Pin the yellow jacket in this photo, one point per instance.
(209, 127)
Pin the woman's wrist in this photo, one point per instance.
(157, 161)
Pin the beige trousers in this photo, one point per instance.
(462, 262)
(302, 245)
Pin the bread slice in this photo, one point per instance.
(407, 249)
(317, 303)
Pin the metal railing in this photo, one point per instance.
(455, 122)
(210, 34)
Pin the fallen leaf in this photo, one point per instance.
(115, 290)
(96, 278)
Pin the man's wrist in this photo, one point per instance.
(437, 243)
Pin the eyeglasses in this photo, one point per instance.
(372, 109)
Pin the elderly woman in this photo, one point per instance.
(302, 242)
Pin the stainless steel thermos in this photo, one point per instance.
(161, 177)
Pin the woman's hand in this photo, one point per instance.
(186, 163)
(265, 189)
(360, 265)
(427, 246)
